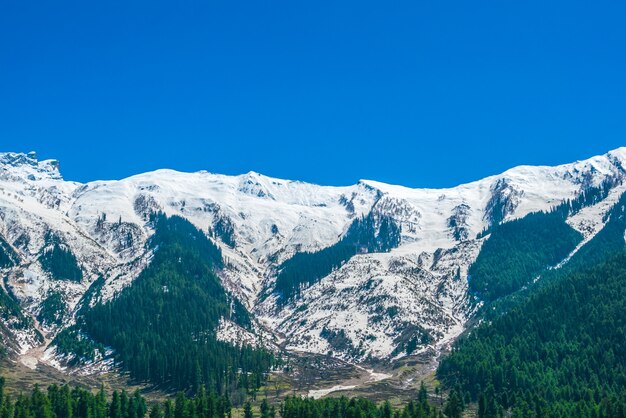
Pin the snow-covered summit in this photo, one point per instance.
(260, 221)
(27, 167)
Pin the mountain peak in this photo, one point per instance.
(27, 165)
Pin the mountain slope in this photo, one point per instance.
(376, 301)
(163, 327)
(560, 352)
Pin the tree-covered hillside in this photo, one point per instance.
(371, 233)
(559, 352)
(65, 402)
(517, 251)
(609, 240)
(58, 261)
(8, 257)
(163, 326)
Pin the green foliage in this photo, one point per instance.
(559, 352)
(296, 407)
(63, 402)
(608, 241)
(518, 251)
(365, 235)
(71, 342)
(52, 310)
(8, 258)
(223, 228)
(454, 406)
(267, 411)
(10, 311)
(162, 327)
(247, 410)
(60, 263)
(588, 197)
(177, 231)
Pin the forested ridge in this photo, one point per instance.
(560, 352)
(609, 240)
(65, 402)
(371, 233)
(162, 327)
(519, 250)
(557, 348)
(58, 260)
(8, 257)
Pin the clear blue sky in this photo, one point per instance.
(418, 93)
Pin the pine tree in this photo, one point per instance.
(454, 406)
(156, 412)
(180, 408)
(40, 404)
(247, 410)
(265, 409)
(422, 396)
(115, 409)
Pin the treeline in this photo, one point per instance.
(559, 352)
(11, 319)
(59, 262)
(372, 233)
(588, 197)
(223, 229)
(8, 258)
(519, 250)
(76, 348)
(53, 309)
(608, 241)
(163, 326)
(64, 402)
(297, 407)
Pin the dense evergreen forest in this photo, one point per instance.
(560, 352)
(64, 402)
(8, 257)
(58, 261)
(420, 407)
(12, 319)
(517, 251)
(608, 241)
(372, 233)
(162, 327)
(52, 309)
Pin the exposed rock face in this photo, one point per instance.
(374, 306)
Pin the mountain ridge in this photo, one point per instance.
(11, 157)
(374, 305)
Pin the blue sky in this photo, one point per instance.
(416, 93)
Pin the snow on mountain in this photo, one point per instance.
(375, 303)
(375, 306)
(270, 219)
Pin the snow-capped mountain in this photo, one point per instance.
(375, 305)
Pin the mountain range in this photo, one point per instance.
(369, 273)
